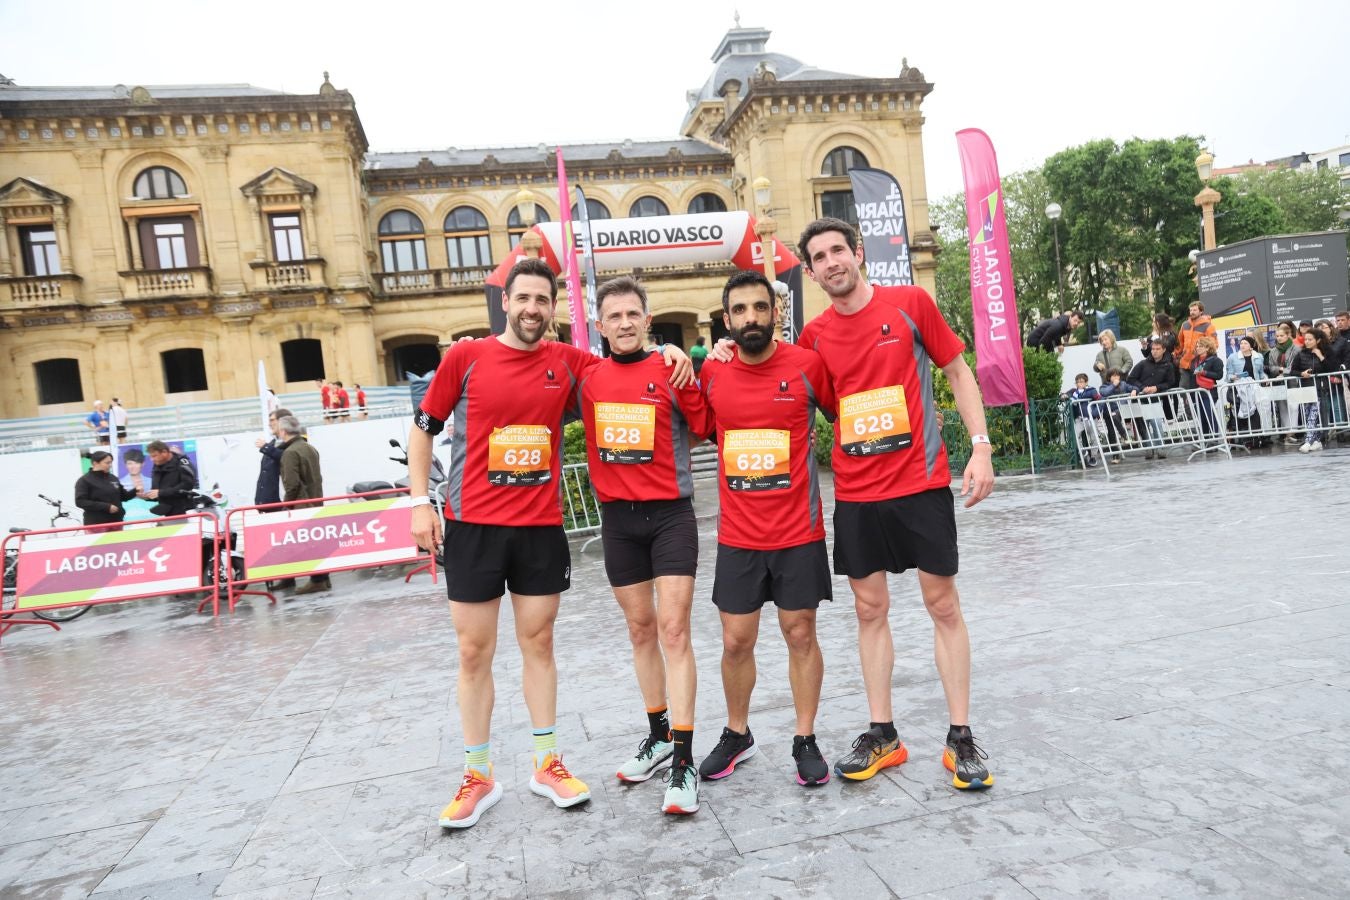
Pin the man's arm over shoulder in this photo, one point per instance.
(818, 377)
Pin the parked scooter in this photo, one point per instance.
(224, 561)
(437, 483)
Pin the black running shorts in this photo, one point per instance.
(648, 538)
(792, 578)
(913, 532)
(482, 562)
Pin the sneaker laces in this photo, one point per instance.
(967, 749)
(556, 769)
(727, 739)
(807, 748)
(866, 743)
(647, 749)
(676, 775)
(471, 780)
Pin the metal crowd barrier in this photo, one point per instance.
(580, 509)
(1148, 425)
(1255, 412)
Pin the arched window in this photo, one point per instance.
(515, 227)
(648, 206)
(594, 209)
(159, 183)
(466, 238)
(403, 247)
(839, 160)
(302, 359)
(184, 370)
(58, 381)
(707, 203)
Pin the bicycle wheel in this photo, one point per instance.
(61, 613)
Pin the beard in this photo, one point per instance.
(753, 339)
(526, 333)
(844, 287)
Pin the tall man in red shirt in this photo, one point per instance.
(771, 534)
(893, 501)
(503, 527)
(637, 440)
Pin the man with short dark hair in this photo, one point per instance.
(771, 533)
(637, 442)
(173, 481)
(503, 525)
(893, 500)
(1050, 334)
(1343, 324)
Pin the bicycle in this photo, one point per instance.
(11, 576)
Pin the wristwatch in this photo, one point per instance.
(980, 439)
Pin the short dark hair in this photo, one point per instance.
(1248, 339)
(1163, 321)
(741, 279)
(156, 447)
(279, 412)
(1197, 304)
(533, 265)
(821, 226)
(99, 456)
(1081, 376)
(1114, 371)
(1288, 323)
(624, 284)
(133, 454)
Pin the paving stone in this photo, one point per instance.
(1310, 840)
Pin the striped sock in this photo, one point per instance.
(545, 742)
(476, 757)
(659, 722)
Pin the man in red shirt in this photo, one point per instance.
(771, 534)
(342, 401)
(325, 397)
(893, 501)
(637, 440)
(503, 528)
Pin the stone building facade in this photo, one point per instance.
(155, 243)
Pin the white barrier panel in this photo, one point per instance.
(1114, 428)
(1257, 412)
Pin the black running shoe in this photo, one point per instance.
(811, 766)
(965, 760)
(731, 749)
(871, 753)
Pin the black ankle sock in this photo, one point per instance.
(659, 723)
(956, 731)
(684, 746)
(887, 730)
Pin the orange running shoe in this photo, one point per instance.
(871, 753)
(552, 780)
(477, 793)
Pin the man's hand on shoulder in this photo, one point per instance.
(682, 370)
(724, 351)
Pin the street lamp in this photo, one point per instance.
(765, 227)
(1053, 212)
(530, 242)
(1208, 198)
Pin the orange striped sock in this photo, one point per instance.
(683, 736)
(659, 722)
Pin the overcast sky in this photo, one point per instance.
(1259, 80)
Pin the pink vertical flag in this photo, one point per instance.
(998, 341)
(576, 301)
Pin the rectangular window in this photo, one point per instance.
(286, 238)
(58, 381)
(404, 256)
(40, 256)
(1321, 164)
(168, 243)
(184, 370)
(170, 246)
(468, 252)
(1344, 160)
(839, 204)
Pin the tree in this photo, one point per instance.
(1308, 199)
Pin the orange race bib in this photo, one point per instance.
(520, 455)
(625, 433)
(756, 459)
(872, 422)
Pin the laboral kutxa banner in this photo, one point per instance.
(109, 565)
(345, 535)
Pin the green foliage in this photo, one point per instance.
(1044, 372)
(574, 442)
(1245, 214)
(824, 441)
(1307, 199)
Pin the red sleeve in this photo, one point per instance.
(824, 387)
(446, 384)
(942, 343)
(694, 407)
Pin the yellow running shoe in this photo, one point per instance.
(477, 793)
(552, 780)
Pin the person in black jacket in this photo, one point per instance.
(173, 482)
(100, 494)
(1208, 370)
(1313, 360)
(1050, 334)
(269, 467)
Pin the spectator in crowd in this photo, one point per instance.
(100, 494)
(117, 416)
(1111, 356)
(1082, 395)
(1051, 334)
(1246, 366)
(301, 480)
(325, 398)
(97, 422)
(173, 481)
(342, 401)
(1279, 364)
(1117, 386)
(360, 400)
(268, 489)
(1339, 354)
(1197, 326)
(1152, 376)
(698, 354)
(1303, 328)
(1343, 324)
(1162, 331)
(1207, 372)
(1313, 360)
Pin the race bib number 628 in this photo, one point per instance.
(520, 455)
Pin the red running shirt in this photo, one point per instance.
(638, 430)
(506, 447)
(765, 418)
(886, 440)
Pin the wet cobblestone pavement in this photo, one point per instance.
(1161, 678)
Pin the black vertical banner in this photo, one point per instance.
(881, 221)
(496, 315)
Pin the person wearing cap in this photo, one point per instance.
(100, 494)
